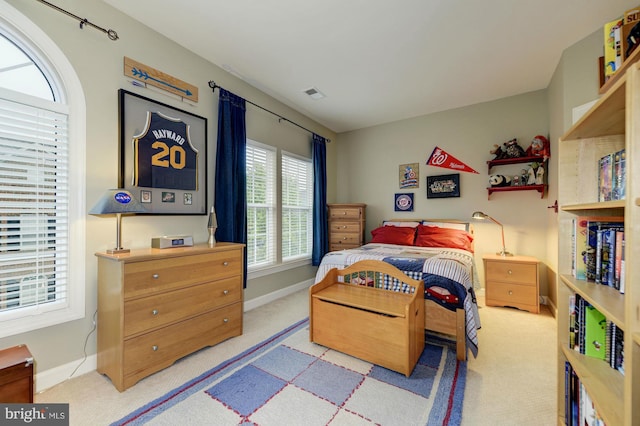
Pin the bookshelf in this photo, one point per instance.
(611, 124)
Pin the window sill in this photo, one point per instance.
(274, 269)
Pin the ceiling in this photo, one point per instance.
(379, 61)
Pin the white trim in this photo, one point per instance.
(273, 269)
(66, 78)
(54, 376)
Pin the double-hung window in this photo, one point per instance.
(41, 192)
(279, 207)
(297, 204)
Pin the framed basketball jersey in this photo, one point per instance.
(163, 156)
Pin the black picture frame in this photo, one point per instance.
(186, 193)
(443, 186)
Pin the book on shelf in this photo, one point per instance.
(605, 269)
(579, 408)
(618, 255)
(595, 333)
(612, 47)
(619, 175)
(605, 177)
(586, 231)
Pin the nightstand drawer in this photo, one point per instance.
(511, 272)
(516, 295)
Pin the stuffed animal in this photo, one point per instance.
(499, 180)
(539, 148)
(498, 152)
(512, 149)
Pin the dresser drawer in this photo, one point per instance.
(345, 227)
(511, 272)
(158, 310)
(159, 349)
(143, 278)
(342, 238)
(516, 295)
(342, 213)
(341, 246)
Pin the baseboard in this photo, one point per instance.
(275, 295)
(53, 376)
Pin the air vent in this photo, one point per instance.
(314, 93)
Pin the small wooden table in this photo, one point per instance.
(512, 281)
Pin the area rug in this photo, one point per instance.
(287, 380)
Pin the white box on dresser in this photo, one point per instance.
(156, 306)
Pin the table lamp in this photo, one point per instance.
(483, 216)
(212, 226)
(118, 202)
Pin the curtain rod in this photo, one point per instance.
(83, 21)
(214, 86)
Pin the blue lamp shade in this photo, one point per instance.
(118, 202)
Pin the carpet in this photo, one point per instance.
(287, 380)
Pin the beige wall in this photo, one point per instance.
(574, 82)
(364, 162)
(369, 159)
(99, 65)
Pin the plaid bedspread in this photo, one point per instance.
(451, 269)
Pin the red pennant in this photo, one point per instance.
(439, 158)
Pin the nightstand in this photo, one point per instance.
(16, 375)
(512, 281)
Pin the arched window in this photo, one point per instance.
(42, 179)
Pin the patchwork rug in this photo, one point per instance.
(287, 380)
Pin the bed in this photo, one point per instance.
(439, 252)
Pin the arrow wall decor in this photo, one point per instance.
(153, 77)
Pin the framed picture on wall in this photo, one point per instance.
(163, 156)
(443, 186)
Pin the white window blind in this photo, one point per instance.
(261, 205)
(34, 199)
(297, 204)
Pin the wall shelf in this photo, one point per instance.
(539, 188)
(519, 160)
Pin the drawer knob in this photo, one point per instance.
(344, 213)
(156, 276)
(154, 347)
(509, 272)
(225, 292)
(226, 320)
(225, 263)
(510, 292)
(154, 312)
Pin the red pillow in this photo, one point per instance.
(434, 236)
(401, 235)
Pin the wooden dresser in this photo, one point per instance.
(157, 305)
(16, 375)
(346, 226)
(512, 281)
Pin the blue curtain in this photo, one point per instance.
(320, 224)
(230, 200)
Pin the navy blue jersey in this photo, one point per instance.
(164, 156)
